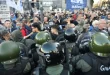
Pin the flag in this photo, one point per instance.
(20, 6)
(11, 3)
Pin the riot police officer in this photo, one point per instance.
(70, 36)
(96, 62)
(51, 58)
(16, 36)
(10, 61)
(40, 38)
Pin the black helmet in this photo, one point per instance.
(70, 35)
(52, 53)
(9, 52)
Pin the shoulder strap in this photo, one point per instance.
(88, 59)
(73, 63)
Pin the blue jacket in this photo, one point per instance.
(29, 30)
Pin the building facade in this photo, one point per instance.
(54, 4)
(46, 4)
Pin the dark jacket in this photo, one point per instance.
(33, 36)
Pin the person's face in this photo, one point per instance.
(28, 23)
(8, 24)
(96, 25)
(109, 29)
(36, 19)
(102, 25)
(55, 20)
(52, 30)
(45, 19)
(85, 16)
(68, 19)
(34, 29)
(109, 17)
(7, 36)
(19, 24)
(108, 25)
(36, 15)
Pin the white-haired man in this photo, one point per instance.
(94, 25)
(101, 27)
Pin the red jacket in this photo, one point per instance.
(74, 17)
(23, 31)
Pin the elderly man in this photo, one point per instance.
(94, 25)
(101, 26)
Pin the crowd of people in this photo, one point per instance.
(65, 43)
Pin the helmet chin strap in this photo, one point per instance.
(42, 62)
(9, 66)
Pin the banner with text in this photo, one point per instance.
(4, 11)
(75, 4)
